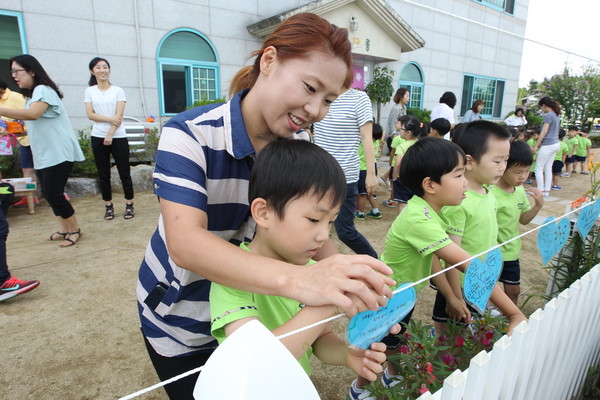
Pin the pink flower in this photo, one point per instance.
(404, 349)
(423, 389)
(485, 341)
(489, 334)
(442, 339)
(448, 359)
(460, 341)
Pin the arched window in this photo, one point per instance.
(411, 77)
(188, 71)
(12, 42)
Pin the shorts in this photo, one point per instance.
(557, 166)
(511, 273)
(401, 193)
(25, 156)
(393, 341)
(580, 158)
(362, 178)
(439, 310)
(570, 160)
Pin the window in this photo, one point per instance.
(507, 6)
(411, 78)
(188, 71)
(490, 90)
(12, 42)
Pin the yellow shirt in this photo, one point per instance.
(16, 101)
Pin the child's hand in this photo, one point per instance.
(515, 320)
(537, 196)
(367, 363)
(457, 310)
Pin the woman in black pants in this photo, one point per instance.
(105, 105)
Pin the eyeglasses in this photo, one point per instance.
(16, 71)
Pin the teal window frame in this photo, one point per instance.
(188, 66)
(24, 48)
(488, 89)
(507, 7)
(416, 88)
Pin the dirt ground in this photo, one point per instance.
(77, 335)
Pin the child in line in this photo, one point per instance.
(472, 224)
(514, 209)
(397, 141)
(559, 160)
(573, 143)
(295, 193)
(439, 127)
(434, 170)
(531, 142)
(363, 195)
(582, 152)
(413, 131)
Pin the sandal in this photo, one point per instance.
(110, 212)
(63, 236)
(69, 241)
(129, 213)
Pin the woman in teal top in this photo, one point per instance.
(53, 143)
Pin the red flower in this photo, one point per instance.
(485, 341)
(460, 341)
(419, 346)
(442, 338)
(404, 349)
(448, 359)
(423, 389)
(489, 334)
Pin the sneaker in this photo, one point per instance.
(556, 187)
(372, 214)
(390, 203)
(359, 215)
(13, 287)
(565, 175)
(584, 173)
(545, 194)
(389, 380)
(21, 203)
(359, 394)
(528, 181)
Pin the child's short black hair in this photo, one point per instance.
(288, 169)
(474, 137)
(519, 155)
(377, 131)
(441, 125)
(573, 128)
(561, 133)
(429, 157)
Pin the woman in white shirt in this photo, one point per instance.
(445, 109)
(105, 105)
(517, 119)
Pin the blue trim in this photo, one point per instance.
(22, 35)
(188, 64)
(489, 78)
(494, 7)
(414, 84)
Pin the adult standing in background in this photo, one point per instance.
(473, 113)
(445, 109)
(105, 105)
(401, 100)
(53, 142)
(348, 122)
(547, 144)
(517, 119)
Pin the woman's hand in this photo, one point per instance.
(116, 121)
(353, 283)
(108, 140)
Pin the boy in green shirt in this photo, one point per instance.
(472, 224)
(396, 141)
(582, 152)
(573, 143)
(295, 191)
(514, 209)
(559, 160)
(363, 195)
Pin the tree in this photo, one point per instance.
(380, 89)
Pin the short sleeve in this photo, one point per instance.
(228, 305)
(525, 200)
(364, 110)
(47, 95)
(87, 97)
(427, 237)
(121, 95)
(457, 219)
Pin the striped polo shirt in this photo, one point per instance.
(339, 132)
(204, 160)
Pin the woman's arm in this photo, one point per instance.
(332, 281)
(111, 131)
(32, 113)
(113, 120)
(545, 127)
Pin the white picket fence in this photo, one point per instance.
(545, 358)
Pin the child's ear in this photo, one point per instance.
(428, 186)
(470, 162)
(260, 212)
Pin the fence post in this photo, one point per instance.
(497, 368)
(476, 377)
(535, 325)
(518, 355)
(454, 386)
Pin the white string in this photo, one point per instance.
(496, 29)
(181, 376)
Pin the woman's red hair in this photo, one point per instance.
(295, 38)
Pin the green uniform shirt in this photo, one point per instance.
(361, 154)
(582, 149)
(396, 141)
(564, 150)
(416, 234)
(571, 142)
(228, 305)
(510, 208)
(532, 142)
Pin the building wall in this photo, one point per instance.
(65, 35)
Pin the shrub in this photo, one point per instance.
(86, 168)
(423, 115)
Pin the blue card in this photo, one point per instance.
(552, 238)
(371, 326)
(587, 218)
(480, 279)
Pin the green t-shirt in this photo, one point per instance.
(416, 234)
(510, 208)
(396, 141)
(228, 305)
(564, 149)
(532, 142)
(361, 154)
(582, 149)
(572, 142)
(475, 221)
